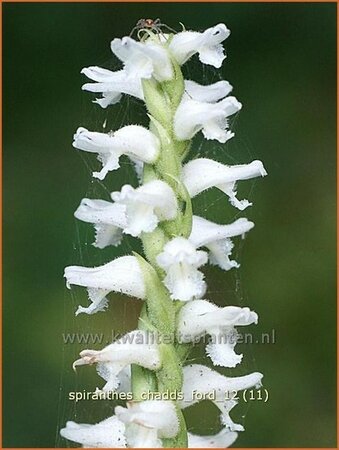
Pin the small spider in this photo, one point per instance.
(150, 24)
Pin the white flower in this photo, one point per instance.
(143, 59)
(207, 44)
(202, 173)
(200, 317)
(136, 347)
(202, 380)
(224, 439)
(208, 94)
(146, 206)
(108, 219)
(112, 85)
(132, 140)
(120, 275)
(193, 116)
(106, 434)
(147, 422)
(217, 239)
(181, 261)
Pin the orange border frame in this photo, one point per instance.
(176, 1)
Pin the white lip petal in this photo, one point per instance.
(200, 317)
(207, 94)
(143, 59)
(181, 261)
(207, 44)
(132, 140)
(205, 232)
(111, 85)
(223, 439)
(136, 347)
(202, 173)
(110, 433)
(203, 380)
(121, 275)
(193, 116)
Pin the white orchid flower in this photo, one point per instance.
(136, 347)
(111, 85)
(181, 261)
(202, 173)
(120, 275)
(143, 59)
(148, 421)
(207, 93)
(224, 439)
(211, 118)
(216, 238)
(132, 140)
(108, 219)
(110, 433)
(146, 206)
(202, 380)
(207, 44)
(200, 317)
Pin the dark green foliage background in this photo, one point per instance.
(282, 64)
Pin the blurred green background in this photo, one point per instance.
(282, 64)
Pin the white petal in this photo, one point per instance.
(137, 347)
(143, 59)
(106, 235)
(106, 434)
(185, 44)
(146, 206)
(202, 173)
(223, 439)
(216, 238)
(181, 261)
(204, 380)
(131, 140)
(155, 414)
(207, 94)
(111, 85)
(193, 116)
(120, 275)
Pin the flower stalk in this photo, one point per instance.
(167, 277)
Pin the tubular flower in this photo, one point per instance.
(200, 317)
(146, 206)
(110, 433)
(143, 59)
(108, 220)
(111, 85)
(207, 44)
(132, 140)
(120, 275)
(202, 380)
(136, 347)
(175, 243)
(193, 116)
(223, 439)
(148, 421)
(202, 173)
(181, 261)
(216, 238)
